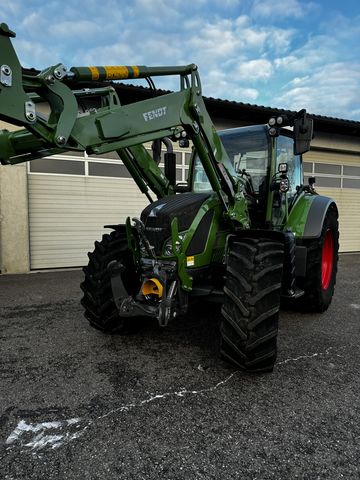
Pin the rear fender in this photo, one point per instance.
(307, 216)
(306, 221)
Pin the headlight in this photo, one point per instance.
(168, 249)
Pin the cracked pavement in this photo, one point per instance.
(160, 404)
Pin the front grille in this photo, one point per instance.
(156, 235)
(157, 216)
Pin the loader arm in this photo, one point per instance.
(111, 127)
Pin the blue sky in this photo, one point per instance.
(280, 53)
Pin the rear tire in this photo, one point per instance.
(321, 266)
(98, 301)
(251, 303)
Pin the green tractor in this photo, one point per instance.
(243, 230)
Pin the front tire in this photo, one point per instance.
(251, 303)
(98, 301)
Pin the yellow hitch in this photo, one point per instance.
(152, 286)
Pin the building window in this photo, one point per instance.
(335, 176)
(330, 182)
(327, 168)
(100, 169)
(106, 156)
(351, 171)
(351, 182)
(308, 167)
(51, 165)
(179, 174)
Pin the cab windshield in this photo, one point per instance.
(248, 149)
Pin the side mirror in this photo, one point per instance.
(303, 134)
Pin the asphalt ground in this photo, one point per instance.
(160, 404)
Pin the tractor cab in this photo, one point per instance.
(257, 157)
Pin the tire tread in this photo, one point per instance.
(251, 303)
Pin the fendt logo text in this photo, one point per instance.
(157, 113)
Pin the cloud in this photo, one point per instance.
(284, 62)
(332, 90)
(116, 54)
(297, 81)
(255, 69)
(75, 29)
(157, 12)
(33, 21)
(253, 38)
(33, 54)
(241, 94)
(231, 90)
(279, 9)
(323, 73)
(227, 4)
(10, 7)
(218, 84)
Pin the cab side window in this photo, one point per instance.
(285, 154)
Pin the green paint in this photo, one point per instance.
(238, 212)
(203, 258)
(272, 171)
(299, 214)
(133, 244)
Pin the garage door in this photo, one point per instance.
(338, 176)
(72, 198)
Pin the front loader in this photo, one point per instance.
(243, 230)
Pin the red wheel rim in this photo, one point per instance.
(327, 260)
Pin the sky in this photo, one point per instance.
(289, 54)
